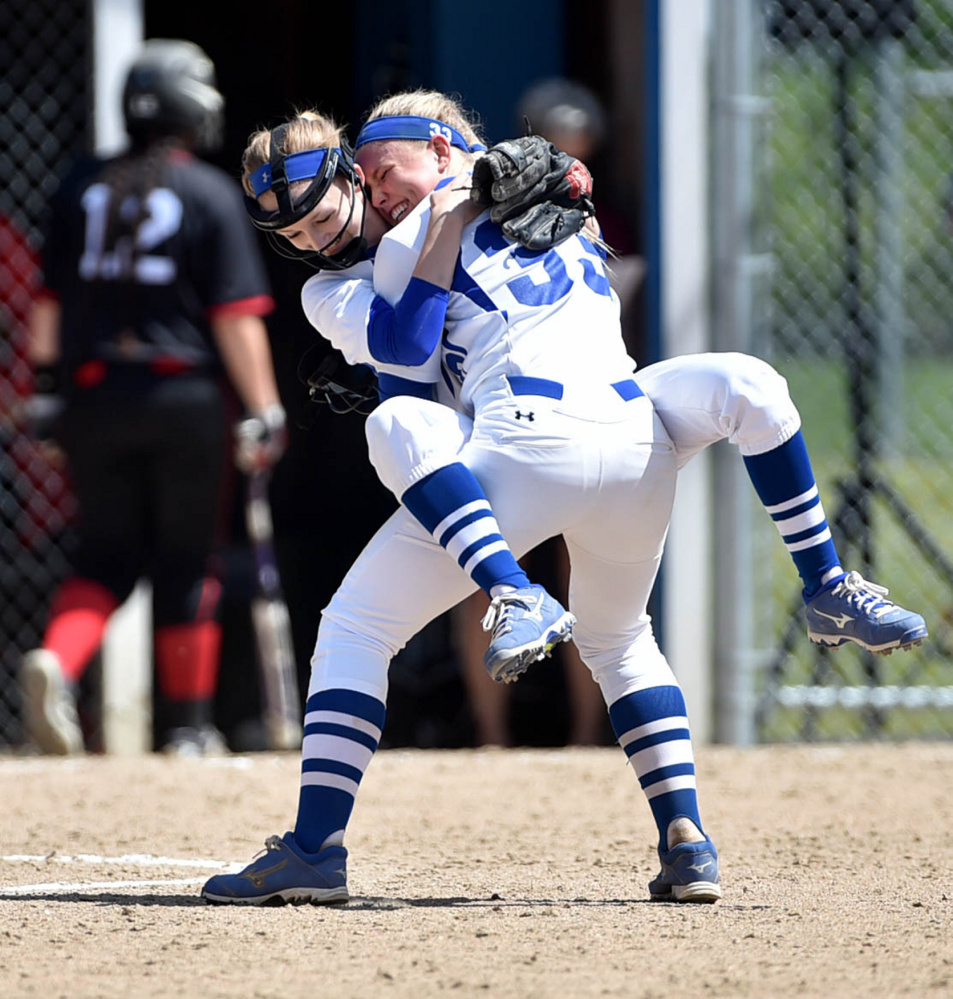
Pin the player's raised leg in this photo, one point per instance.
(414, 445)
(841, 606)
(702, 398)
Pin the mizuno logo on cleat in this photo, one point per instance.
(536, 613)
(257, 878)
(700, 867)
(840, 619)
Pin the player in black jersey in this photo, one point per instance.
(153, 289)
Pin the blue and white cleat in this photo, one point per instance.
(526, 625)
(284, 873)
(849, 609)
(689, 874)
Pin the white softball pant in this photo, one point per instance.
(598, 470)
(703, 398)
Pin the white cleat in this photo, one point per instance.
(48, 706)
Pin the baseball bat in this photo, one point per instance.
(281, 701)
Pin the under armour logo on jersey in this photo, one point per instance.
(525, 416)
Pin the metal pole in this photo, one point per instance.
(889, 82)
(736, 268)
(117, 36)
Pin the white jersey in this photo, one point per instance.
(513, 311)
(338, 306)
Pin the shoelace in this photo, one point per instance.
(497, 617)
(865, 596)
(272, 843)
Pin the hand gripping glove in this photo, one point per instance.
(514, 169)
(540, 196)
(260, 440)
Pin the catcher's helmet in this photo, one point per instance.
(170, 90)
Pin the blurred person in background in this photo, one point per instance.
(152, 286)
(573, 118)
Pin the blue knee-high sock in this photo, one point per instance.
(784, 481)
(342, 729)
(453, 507)
(652, 727)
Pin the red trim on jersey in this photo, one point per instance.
(258, 305)
(90, 374)
(46, 293)
(170, 365)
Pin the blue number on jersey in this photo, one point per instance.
(595, 275)
(490, 239)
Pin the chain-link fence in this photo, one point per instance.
(44, 70)
(854, 210)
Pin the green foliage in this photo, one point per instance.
(918, 464)
(806, 167)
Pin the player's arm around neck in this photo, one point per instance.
(450, 210)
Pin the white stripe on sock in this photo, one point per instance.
(794, 525)
(317, 778)
(679, 783)
(650, 728)
(470, 534)
(792, 503)
(336, 747)
(348, 721)
(817, 539)
(478, 556)
(461, 511)
(664, 754)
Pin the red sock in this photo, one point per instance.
(187, 660)
(78, 618)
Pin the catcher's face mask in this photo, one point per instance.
(296, 197)
(331, 381)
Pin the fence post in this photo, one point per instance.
(736, 267)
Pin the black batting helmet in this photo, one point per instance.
(170, 90)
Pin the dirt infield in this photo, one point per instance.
(484, 873)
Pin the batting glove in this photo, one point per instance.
(261, 440)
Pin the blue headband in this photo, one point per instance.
(298, 166)
(406, 126)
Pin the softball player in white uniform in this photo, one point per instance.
(702, 399)
(563, 441)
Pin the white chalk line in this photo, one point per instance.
(43, 764)
(127, 860)
(83, 887)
